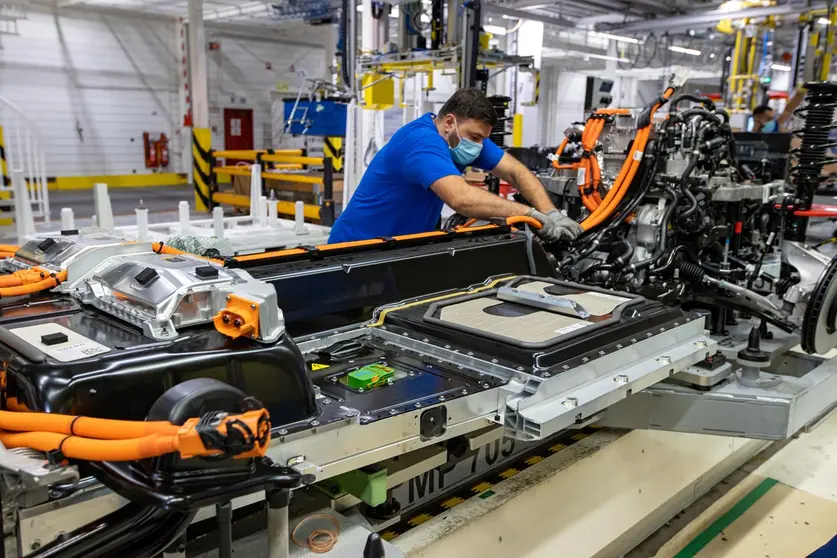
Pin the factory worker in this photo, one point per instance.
(420, 169)
(764, 118)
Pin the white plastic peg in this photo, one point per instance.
(218, 221)
(299, 218)
(68, 219)
(142, 223)
(104, 212)
(183, 216)
(263, 211)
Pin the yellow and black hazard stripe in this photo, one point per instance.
(537, 87)
(202, 168)
(5, 178)
(481, 487)
(333, 148)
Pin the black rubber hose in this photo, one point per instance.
(620, 262)
(705, 101)
(684, 187)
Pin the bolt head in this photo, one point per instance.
(393, 412)
(571, 402)
(621, 379)
(315, 423)
(283, 432)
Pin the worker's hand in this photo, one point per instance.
(555, 226)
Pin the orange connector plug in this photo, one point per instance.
(239, 319)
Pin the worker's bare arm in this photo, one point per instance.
(512, 171)
(474, 202)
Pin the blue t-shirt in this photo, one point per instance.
(394, 195)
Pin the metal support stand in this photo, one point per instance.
(470, 44)
(278, 533)
(223, 514)
(177, 549)
(327, 212)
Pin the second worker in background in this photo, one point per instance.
(420, 169)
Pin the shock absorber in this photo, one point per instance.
(821, 101)
(498, 131)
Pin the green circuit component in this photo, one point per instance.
(369, 376)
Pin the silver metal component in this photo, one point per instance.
(703, 377)
(78, 254)
(161, 294)
(732, 409)
(539, 407)
(752, 376)
(544, 301)
(725, 190)
(278, 532)
(27, 474)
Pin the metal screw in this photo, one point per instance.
(602, 353)
(425, 340)
(229, 299)
(326, 401)
(700, 344)
(621, 379)
(585, 359)
(460, 367)
(464, 392)
(418, 405)
(252, 306)
(315, 423)
(494, 360)
(92, 392)
(442, 398)
(411, 373)
(352, 413)
(447, 346)
(520, 368)
(485, 385)
(664, 359)
(333, 379)
(571, 402)
(283, 432)
(566, 367)
(35, 545)
(393, 412)
(619, 345)
(546, 374)
(470, 353)
(296, 460)
(405, 334)
(390, 381)
(361, 390)
(633, 340)
(649, 334)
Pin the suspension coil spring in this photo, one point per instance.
(821, 101)
(501, 107)
(691, 272)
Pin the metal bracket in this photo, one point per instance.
(552, 303)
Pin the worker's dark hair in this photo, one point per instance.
(470, 103)
(761, 109)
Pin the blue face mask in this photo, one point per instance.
(466, 151)
(770, 127)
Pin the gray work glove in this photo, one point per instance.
(555, 226)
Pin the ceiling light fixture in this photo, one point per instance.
(494, 29)
(780, 67)
(618, 38)
(684, 50)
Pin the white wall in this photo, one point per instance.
(562, 99)
(93, 82)
(245, 71)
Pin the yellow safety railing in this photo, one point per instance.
(252, 154)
